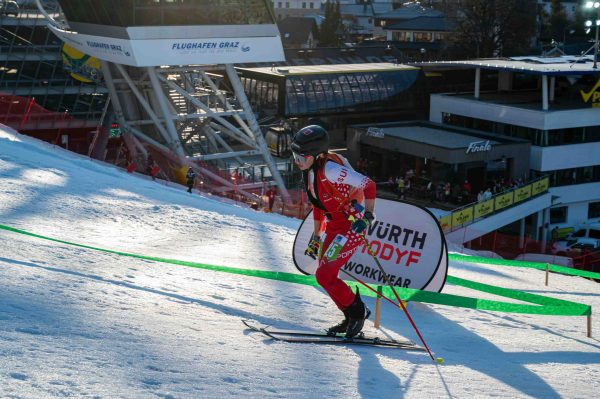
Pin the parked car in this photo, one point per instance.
(560, 247)
(574, 247)
(9, 7)
(580, 247)
(591, 230)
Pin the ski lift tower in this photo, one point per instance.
(163, 63)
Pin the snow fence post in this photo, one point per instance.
(547, 273)
(589, 325)
(378, 307)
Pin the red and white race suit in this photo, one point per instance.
(334, 184)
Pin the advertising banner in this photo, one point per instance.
(521, 194)
(484, 208)
(464, 216)
(406, 239)
(540, 186)
(503, 201)
(81, 66)
(446, 223)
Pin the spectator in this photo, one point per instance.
(271, 197)
(439, 191)
(467, 191)
(401, 188)
(447, 192)
(151, 167)
(191, 178)
(431, 190)
(487, 194)
(480, 196)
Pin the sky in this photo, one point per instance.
(77, 322)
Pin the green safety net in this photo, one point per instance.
(537, 304)
(520, 263)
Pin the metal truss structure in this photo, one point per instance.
(196, 115)
(186, 111)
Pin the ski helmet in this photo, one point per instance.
(310, 140)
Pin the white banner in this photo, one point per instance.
(406, 239)
(158, 52)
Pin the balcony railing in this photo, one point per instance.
(476, 211)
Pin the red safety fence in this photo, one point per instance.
(561, 252)
(60, 128)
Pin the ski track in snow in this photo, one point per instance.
(81, 323)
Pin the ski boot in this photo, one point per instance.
(340, 327)
(358, 312)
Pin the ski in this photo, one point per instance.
(316, 337)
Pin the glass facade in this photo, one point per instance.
(567, 177)
(264, 96)
(168, 12)
(542, 138)
(338, 93)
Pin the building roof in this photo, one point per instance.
(433, 135)
(438, 135)
(563, 66)
(429, 24)
(410, 11)
(330, 69)
(365, 10)
(295, 30)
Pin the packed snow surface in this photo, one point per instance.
(80, 323)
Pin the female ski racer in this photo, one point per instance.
(334, 189)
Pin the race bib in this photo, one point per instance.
(335, 247)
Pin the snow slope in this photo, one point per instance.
(81, 323)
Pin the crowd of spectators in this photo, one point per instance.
(409, 185)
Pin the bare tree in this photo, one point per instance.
(492, 28)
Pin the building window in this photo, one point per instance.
(422, 36)
(558, 215)
(593, 210)
(279, 4)
(287, 4)
(303, 4)
(401, 36)
(312, 5)
(543, 138)
(568, 177)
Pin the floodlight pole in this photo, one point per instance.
(596, 41)
(591, 5)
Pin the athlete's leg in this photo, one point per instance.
(337, 250)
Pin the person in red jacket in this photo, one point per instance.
(334, 189)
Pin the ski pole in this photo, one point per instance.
(386, 281)
(380, 295)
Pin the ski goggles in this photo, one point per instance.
(299, 158)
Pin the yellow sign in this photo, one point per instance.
(593, 95)
(80, 66)
(446, 223)
(484, 208)
(521, 194)
(504, 200)
(462, 217)
(540, 186)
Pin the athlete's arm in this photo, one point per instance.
(340, 174)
